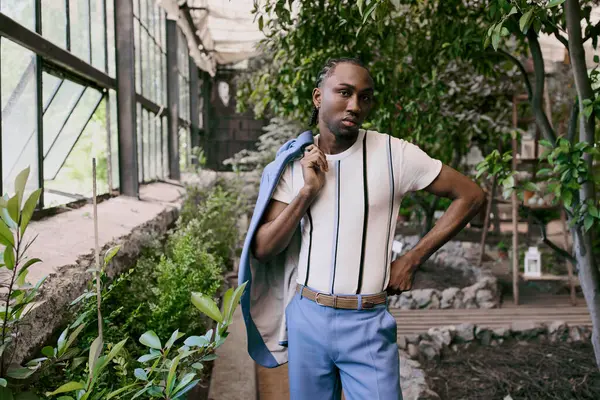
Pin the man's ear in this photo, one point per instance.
(316, 95)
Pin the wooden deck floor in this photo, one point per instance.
(544, 309)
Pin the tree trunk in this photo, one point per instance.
(589, 275)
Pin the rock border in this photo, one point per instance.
(484, 293)
(429, 345)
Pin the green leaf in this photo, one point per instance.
(3, 382)
(588, 222)
(237, 295)
(72, 338)
(544, 171)
(140, 374)
(172, 375)
(587, 111)
(530, 186)
(396, 3)
(62, 341)
(509, 182)
(596, 59)
(95, 351)
(21, 277)
(504, 31)
(48, 351)
(187, 378)
(148, 357)
(115, 350)
(13, 208)
(525, 21)
(121, 390)
(29, 208)
(20, 373)
(196, 341)
(209, 357)
(207, 306)
(261, 22)
(554, 3)
(6, 236)
(567, 198)
(9, 257)
(512, 11)
(150, 339)
(111, 253)
(495, 40)
(20, 182)
(370, 11)
(593, 210)
(67, 387)
(176, 335)
(360, 4)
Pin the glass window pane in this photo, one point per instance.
(145, 64)
(80, 29)
(97, 32)
(22, 11)
(165, 149)
(54, 22)
(114, 139)
(50, 86)
(183, 147)
(110, 26)
(145, 144)
(140, 149)
(138, 57)
(18, 118)
(17, 62)
(57, 113)
(75, 178)
(73, 128)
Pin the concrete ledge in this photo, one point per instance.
(65, 243)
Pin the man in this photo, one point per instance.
(345, 193)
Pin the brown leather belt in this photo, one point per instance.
(344, 302)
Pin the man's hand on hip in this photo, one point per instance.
(402, 273)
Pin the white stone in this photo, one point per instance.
(428, 349)
(413, 350)
(484, 295)
(465, 332)
(406, 302)
(422, 297)
(442, 337)
(575, 334)
(448, 296)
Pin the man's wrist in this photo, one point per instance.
(308, 193)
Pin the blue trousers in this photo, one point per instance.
(330, 349)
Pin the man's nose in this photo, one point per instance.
(353, 105)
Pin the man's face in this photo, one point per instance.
(345, 99)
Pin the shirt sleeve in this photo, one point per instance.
(284, 190)
(416, 169)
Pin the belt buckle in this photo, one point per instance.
(317, 299)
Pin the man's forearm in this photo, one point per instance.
(460, 212)
(274, 236)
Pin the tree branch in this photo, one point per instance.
(594, 30)
(572, 131)
(547, 241)
(562, 39)
(540, 76)
(521, 69)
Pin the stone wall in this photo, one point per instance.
(484, 293)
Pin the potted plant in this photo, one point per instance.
(502, 250)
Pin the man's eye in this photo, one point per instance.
(367, 99)
(344, 93)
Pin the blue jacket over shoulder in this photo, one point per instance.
(270, 285)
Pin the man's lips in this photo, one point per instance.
(349, 122)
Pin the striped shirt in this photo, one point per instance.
(348, 230)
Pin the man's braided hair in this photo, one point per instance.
(326, 73)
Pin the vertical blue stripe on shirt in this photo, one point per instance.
(336, 226)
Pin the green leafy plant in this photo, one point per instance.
(167, 374)
(20, 296)
(568, 172)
